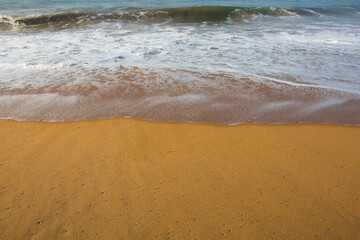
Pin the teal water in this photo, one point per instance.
(225, 62)
(66, 5)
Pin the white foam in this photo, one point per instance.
(46, 66)
(313, 12)
(260, 49)
(284, 11)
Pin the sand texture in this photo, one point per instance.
(133, 179)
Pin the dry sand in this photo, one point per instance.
(133, 179)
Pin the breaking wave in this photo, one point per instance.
(182, 15)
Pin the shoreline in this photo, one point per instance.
(210, 124)
(137, 179)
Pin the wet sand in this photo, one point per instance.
(133, 179)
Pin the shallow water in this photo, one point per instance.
(235, 63)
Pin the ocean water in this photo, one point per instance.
(223, 62)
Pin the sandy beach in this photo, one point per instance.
(192, 120)
(134, 179)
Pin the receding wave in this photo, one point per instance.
(188, 14)
(162, 95)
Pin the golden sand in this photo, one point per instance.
(133, 179)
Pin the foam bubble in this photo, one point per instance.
(46, 66)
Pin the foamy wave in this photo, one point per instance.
(8, 23)
(208, 67)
